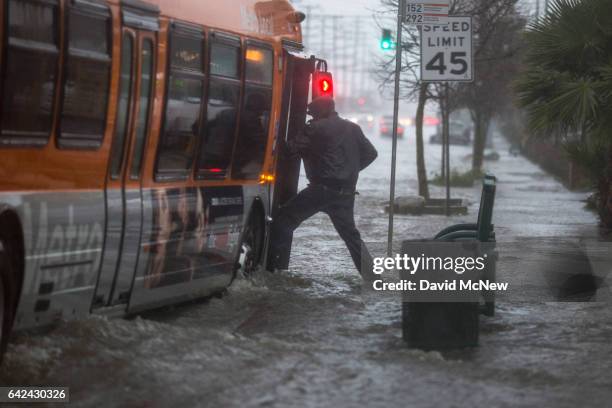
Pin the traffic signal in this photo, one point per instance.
(386, 43)
(322, 84)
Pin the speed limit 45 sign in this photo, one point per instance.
(446, 51)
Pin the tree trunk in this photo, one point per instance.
(481, 127)
(420, 151)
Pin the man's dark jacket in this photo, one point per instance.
(334, 151)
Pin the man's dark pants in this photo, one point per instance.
(339, 207)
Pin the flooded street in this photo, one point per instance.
(311, 338)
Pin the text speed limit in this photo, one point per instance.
(446, 51)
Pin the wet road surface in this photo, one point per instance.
(312, 338)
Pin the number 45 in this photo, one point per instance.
(456, 59)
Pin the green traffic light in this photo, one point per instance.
(385, 42)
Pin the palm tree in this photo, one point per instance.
(566, 87)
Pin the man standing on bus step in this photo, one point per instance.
(334, 151)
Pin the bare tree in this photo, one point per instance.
(498, 30)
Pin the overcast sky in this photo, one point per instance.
(362, 6)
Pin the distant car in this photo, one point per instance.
(366, 121)
(386, 127)
(460, 134)
(462, 139)
(430, 121)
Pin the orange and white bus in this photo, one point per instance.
(139, 144)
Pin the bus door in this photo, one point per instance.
(124, 210)
(298, 69)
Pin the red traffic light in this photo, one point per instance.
(322, 84)
(325, 86)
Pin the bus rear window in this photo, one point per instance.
(30, 73)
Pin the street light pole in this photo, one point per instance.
(398, 68)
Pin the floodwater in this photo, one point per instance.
(311, 338)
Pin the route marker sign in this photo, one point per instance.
(419, 12)
(446, 51)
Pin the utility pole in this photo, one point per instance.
(348, 42)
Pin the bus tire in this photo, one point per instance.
(250, 251)
(7, 304)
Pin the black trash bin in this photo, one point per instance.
(450, 325)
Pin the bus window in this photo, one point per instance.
(87, 77)
(259, 65)
(146, 82)
(223, 95)
(224, 60)
(125, 91)
(255, 114)
(31, 70)
(183, 106)
(187, 54)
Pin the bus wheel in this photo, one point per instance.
(251, 247)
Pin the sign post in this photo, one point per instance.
(446, 141)
(446, 56)
(398, 68)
